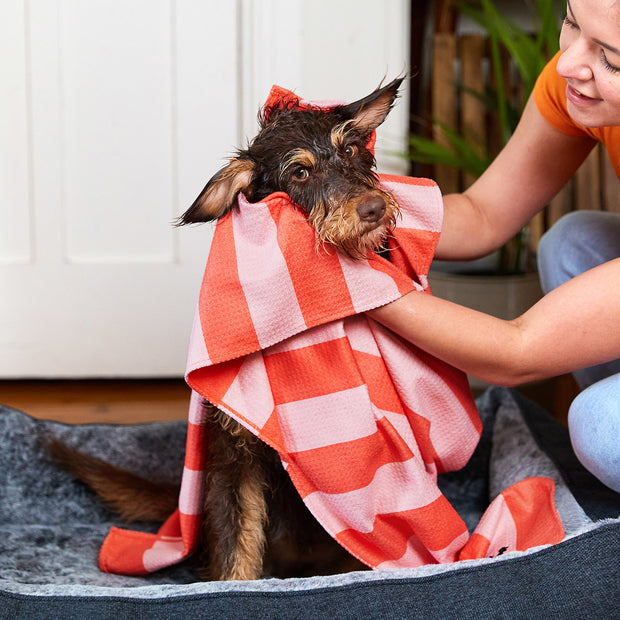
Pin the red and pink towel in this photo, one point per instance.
(362, 420)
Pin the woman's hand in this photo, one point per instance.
(574, 326)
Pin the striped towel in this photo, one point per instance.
(363, 421)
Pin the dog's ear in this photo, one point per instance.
(368, 113)
(220, 193)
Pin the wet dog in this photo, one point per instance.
(255, 522)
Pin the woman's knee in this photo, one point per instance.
(594, 425)
(579, 241)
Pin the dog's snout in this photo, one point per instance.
(371, 210)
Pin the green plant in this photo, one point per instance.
(529, 52)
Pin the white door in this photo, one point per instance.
(113, 115)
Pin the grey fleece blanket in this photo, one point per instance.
(51, 527)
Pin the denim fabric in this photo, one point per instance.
(594, 423)
(580, 241)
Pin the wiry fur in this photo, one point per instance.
(255, 522)
(321, 160)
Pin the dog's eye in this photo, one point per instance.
(301, 174)
(350, 151)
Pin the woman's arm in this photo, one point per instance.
(575, 326)
(531, 169)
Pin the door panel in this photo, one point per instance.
(113, 116)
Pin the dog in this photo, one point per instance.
(255, 522)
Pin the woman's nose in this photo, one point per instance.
(574, 62)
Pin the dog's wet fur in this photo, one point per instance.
(321, 160)
(255, 523)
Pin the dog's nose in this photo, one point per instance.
(371, 210)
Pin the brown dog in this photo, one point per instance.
(255, 522)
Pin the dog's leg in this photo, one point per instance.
(235, 505)
(236, 522)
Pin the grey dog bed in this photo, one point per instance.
(51, 528)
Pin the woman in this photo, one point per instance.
(576, 103)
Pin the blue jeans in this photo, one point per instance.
(580, 241)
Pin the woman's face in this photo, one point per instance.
(590, 61)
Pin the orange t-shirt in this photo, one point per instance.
(550, 97)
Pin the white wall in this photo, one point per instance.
(113, 115)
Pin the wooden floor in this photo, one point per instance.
(131, 401)
(104, 401)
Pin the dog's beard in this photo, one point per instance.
(338, 226)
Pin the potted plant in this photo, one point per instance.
(529, 51)
(514, 286)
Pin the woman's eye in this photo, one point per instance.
(301, 174)
(350, 151)
(569, 21)
(611, 68)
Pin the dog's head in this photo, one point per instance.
(321, 159)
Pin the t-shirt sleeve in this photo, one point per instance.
(550, 97)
